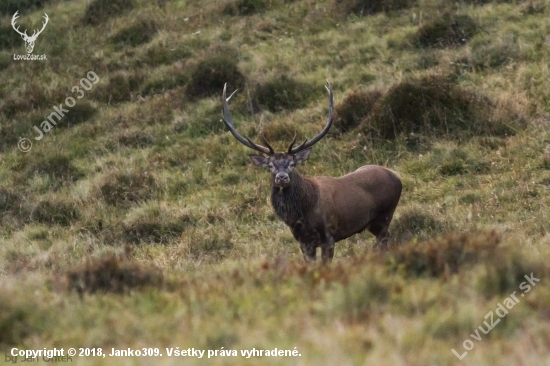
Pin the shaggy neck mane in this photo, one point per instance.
(295, 201)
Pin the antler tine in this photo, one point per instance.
(316, 139)
(243, 140)
(13, 21)
(37, 32)
(271, 151)
(44, 23)
(292, 143)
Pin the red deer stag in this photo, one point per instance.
(323, 210)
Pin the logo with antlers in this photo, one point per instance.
(29, 41)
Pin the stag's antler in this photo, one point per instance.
(24, 34)
(35, 34)
(13, 20)
(316, 139)
(243, 140)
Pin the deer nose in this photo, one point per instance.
(282, 178)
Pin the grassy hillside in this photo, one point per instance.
(138, 221)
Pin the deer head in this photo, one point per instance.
(29, 41)
(281, 164)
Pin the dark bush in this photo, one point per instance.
(5, 62)
(154, 229)
(9, 39)
(127, 187)
(209, 76)
(54, 212)
(211, 244)
(8, 200)
(446, 255)
(504, 266)
(167, 82)
(111, 274)
(453, 167)
(447, 31)
(506, 269)
(9, 7)
(12, 131)
(58, 168)
(135, 35)
(245, 7)
(282, 93)
(435, 106)
(80, 113)
(19, 319)
(163, 55)
(136, 139)
(279, 132)
(98, 11)
(368, 7)
(121, 88)
(415, 222)
(354, 108)
(484, 2)
(33, 97)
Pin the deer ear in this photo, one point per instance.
(259, 160)
(302, 156)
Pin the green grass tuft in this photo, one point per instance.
(99, 11)
(447, 31)
(155, 225)
(17, 321)
(59, 168)
(54, 212)
(136, 139)
(124, 187)
(140, 33)
(164, 83)
(210, 74)
(415, 222)
(121, 87)
(355, 107)
(282, 92)
(80, 113)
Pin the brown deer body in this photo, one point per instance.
(323, 210)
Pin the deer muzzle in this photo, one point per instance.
(282, 179)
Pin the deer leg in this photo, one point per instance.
(327, 251)
(380, 230)
(382, 240)
(309, 252)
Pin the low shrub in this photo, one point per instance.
(436, 107)
(447, 31)
(99, 11)
(211, 73)
(111, 274)
(354, 108)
